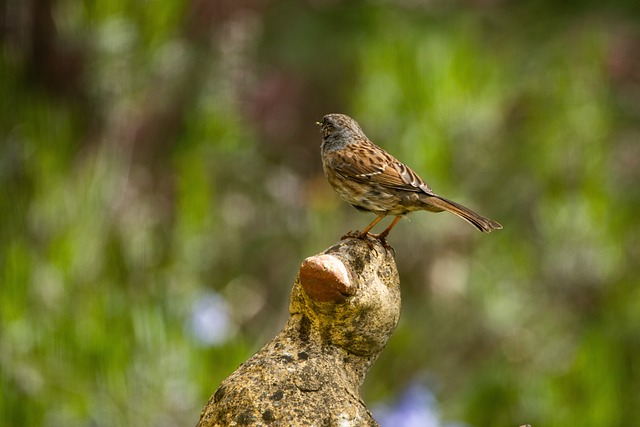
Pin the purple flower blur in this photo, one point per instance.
(210, 323)
(416, 407)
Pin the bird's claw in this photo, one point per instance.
(383, 239)
(353, 235)
(369, 240)
(366, 237)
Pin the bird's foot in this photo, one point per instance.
(366, 237)
(382, 238)
(354, 235)
(370, 239)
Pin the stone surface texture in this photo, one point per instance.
(345, 304)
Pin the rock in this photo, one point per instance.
(345, 304)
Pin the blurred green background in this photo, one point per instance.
(160, 184)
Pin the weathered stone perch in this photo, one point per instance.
(345, 303)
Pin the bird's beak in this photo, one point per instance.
(319, 124)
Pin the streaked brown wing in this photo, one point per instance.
(412, 178)
(371, 163)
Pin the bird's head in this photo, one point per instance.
(339, 130)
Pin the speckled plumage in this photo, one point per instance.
(372, 180)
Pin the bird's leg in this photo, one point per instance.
(385, 233)
(362, 234)
(383, 236)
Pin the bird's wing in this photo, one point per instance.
(371, 163)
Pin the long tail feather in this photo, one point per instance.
(483, 224)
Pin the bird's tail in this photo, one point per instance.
(483, 224)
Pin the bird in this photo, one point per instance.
(372, 180)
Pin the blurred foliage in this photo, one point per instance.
(161, 184)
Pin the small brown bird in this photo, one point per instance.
(372, 180)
